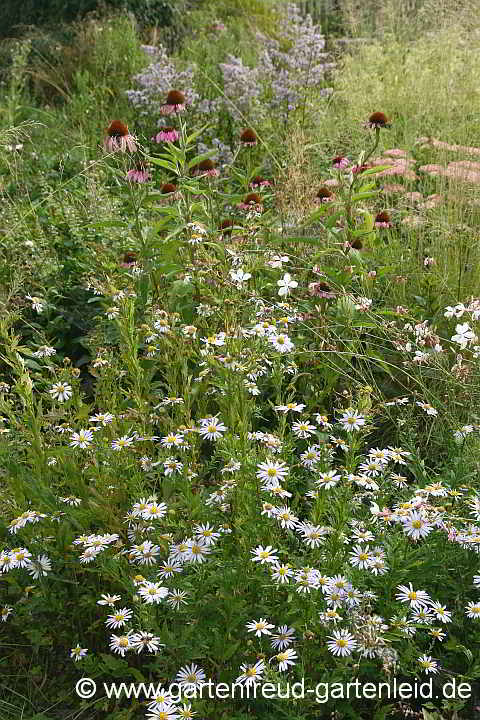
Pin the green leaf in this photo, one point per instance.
(164, 163)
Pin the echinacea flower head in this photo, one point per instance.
(129, 260)
(378, 120)
(166, 134)
(175, 103)
(205, 167)
(119, 138)
(139, 174)
(340, 162)
(251, 201)
(321, 289)
(324, 195)
(259, 181)
(249, 137)
(383, 220)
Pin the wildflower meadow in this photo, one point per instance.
(240, 363)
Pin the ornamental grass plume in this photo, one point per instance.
(118, 138)
(176, 103)
(249, 137)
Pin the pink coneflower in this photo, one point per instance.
(129, 260)
(259, 181)
(383, 220)
(118, 138)
(206, 167)
(139, 174)
(217, 27)
(360, 168)
(226, 226)
(324, 195)
(321, 289)
(168, 188)
(175, 103)
(356, 244)
(251, 201)
(340, 162)
(249, 137)
(166, 134)
(377, 120)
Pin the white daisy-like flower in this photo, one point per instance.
(77, 653)
(281, 342)
(441, 612)
(251, 674)
(45, 351)
(326, 480)
(285, 659)
(303, 429)
(143, 640)
(121, 644)
(212, 429)
(341, 643)
(352, 420)
(260, 627)
(264, 555)
(416, 526)
(191, 676)
(281, 573)
(429, 409)
(40, 567)
(283, 638)
(109, 600)
(291, 406)
(473, 610)
(152, 593)
(361, 557)
(122, 442)
(82, 439)
(427, 664)
(61, 392)
(272, 472)
(119, 618)
(416, 598)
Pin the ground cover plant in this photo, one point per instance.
(239, 368)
